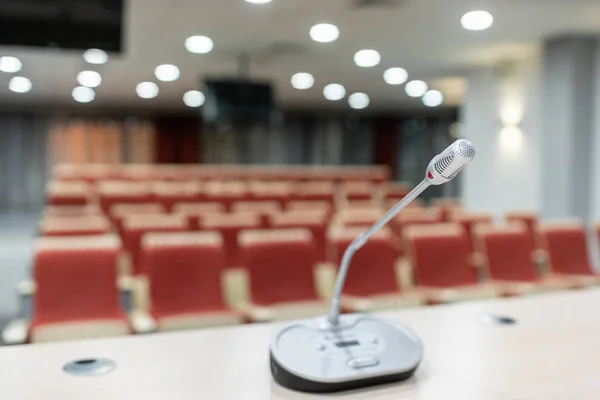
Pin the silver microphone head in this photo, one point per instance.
(445, 166)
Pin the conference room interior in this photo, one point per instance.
(200, 166)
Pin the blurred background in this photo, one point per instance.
(208, 108)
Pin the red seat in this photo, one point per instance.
(358, 190)
(114, 192)
(316, 191)
(396, 190)
(566, 245)
(226, 192)
(136, 226)
(119, 211)
(77, 294)
(263, 208)
(310, 205)
(184, 272)
(230, 225)
(75, 226)
(71, 211)
(280, 192)
(530, 220)
(195, 211)
(170, 193)
(315, 221)
(72, 193)
(415, 216)
(361, 217)
(469, 220)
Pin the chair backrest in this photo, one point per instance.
(315, 191)
(415, 216)
(68, 193)
(119, 211)
(440, 255)
(113, 192)
(280, 264)
(226, 192)
(280, 192)
(76, 279)
(314, 220)
(263, 208)
(184, 271)
(195, 211)
(396, 190)
(469, 220)
(170, 193)
(230, 225)
(310, 205)
(359, 217)
(134, 227)
(71, 211)
(75, 226)
(566, 245)
(530, 220)
(358, 190)
(373, 267)
(508, 251)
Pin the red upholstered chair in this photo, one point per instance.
(396, 190)
(71, 193)
(119, 211)
(441, 259)
(195, 211)
(280, 192)
(134, 227)
(566, 246)
(263, 208)
(281, 266)
(469, 220)
(184, 273)
(358, 190)
(371, 283)
(358, 204)
(360, 217)
(77, 295)
(529, 219)
(316, 191)
(170, 193)
(416, 203)
(89, 172)
(415, 216)
(115, 192)
(230, 225)
(510, 259)
(75, 226)
(71, 211)
(226, 192)
(310, 205)
(314, 220)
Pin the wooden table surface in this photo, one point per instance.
(553, 352)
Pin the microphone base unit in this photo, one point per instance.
(362, 350)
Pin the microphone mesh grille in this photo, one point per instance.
(443, 163)
(466, 148)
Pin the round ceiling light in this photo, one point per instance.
(83, 94)
(19, 84)
(95, 56)
(395, 76)
(324, 33)
(90, 79)
(334, 92)
(433, 98)
(416, 88)
(477, 20)
(199, 44)
(167, 73)
(10, 64)
(147, 90)
(193, 98)
(358, 101)
(367, 58)
(302, 81)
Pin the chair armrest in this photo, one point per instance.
(142, 322)
(258, 314)
(16, 332)
(356, 304)
(126, 287)
(26, 290)
(540, 258)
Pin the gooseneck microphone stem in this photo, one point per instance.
(334, 311)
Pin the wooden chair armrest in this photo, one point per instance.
(16, 332)
(539, 256)
(27, 288)
(126, 287)
(142, 322)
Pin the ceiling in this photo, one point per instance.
(422, 36)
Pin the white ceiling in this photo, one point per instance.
(423, 36)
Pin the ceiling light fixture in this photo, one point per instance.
(258, 1)
(147, 90)
(95, 56)
(83, 94)
(358, 101)
(416, 88)
(367, 58)
(477, 20)
(302, 81)
(395, 76)
(167, 73)
(334, 92)
(199, 44)
(433, 98)
(19, 84)
(324, 33)
(193, 98)
(90, 79)
(10, 64)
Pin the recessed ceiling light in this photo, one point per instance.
(302, 81)
(395, 76)
(89, 78)
(83, 94)
(10, 64)
(416, 88)
(199, 44)
(324, 33)
(193, 98)
(147, 90)
(433, 98)
(19, 84)
(167, 73)
(334, 92)
(477, 20)
(367, 58)
(95, 56)
(258, 1)
(358, 101)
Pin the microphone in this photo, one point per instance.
(443, 168)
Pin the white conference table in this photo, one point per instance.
(553, 352)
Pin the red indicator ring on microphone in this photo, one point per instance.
(429, 175)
